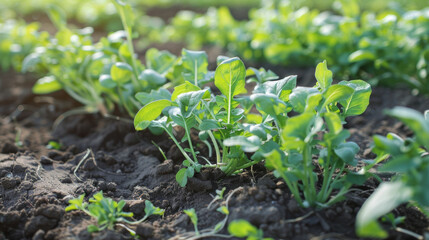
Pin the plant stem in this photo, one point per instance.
(178, 146)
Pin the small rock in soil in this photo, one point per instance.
(108, 234)
(66, 179)
(136, 206)
(39, 222)
(174, 153)
(39, 235)
(166, 167)
(9, 148)
(46, 160)
(26, 185)
(144, 230)
(9, 219)
(57, 156)
(197, 185)
(10, 182)
(267, 181)
(131, 139)
(50, 211)
(292, 206)
(111, 186)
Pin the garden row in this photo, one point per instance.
(291, 129)
(359, 44)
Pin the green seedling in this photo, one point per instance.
(108, 212)
(54, 145)
(243, 229)
(409, 159)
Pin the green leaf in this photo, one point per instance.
(189, 101)
(415, 121)
(149, 112)
(230, 79)
(268, 103)
(107, 81)
(92, 228)
(152, 77)
(182, 177)
(241, 228)
(150, 209)
(121, 72)
(209, 124)
(360, 55)
(160, 61)
(183, 88)
(46, 85)
(358, 101)
(30, 61)
(298, 97)
(382, 201)
(299, 126)
(57, 16)
(323, 76)
(145, 98)
(192, 215)
(196, 63)
(336, 93)
(347, 152)
(334, 122)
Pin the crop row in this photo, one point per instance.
(293, 130)
(389, 48)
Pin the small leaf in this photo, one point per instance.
(92, 228)
(241, 228)
(248, 144)
(46, 85)
(152, 77)
(149, 112)
(334, 122)
(357, 103)
(182, 177)
(192, 215)
(121, 72)
(107, 81)
(336, 93)
(323, 76)
(347, 152)
(209, 124)
(360, 55)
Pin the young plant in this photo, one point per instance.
(108, 212)
(410, 160)
(215, 117)
(290, 145)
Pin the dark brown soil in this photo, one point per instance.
(36, 183)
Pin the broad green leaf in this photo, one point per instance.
(336, 93)
(323, 76)
(189, 101)
(152, 77)
(386, 145)
(358, 101)
(298, 97)
(299, 126)
(334, 122)
(230, 79)
(160, 61)
(145, 98)
(382, 201)
(46, 85)
(268, 103)
(400, 164)
(107, 81)
(241, 228)
(360, 55)
(182, 177)
(347, 152)
(30, 61)
(150, 209)
(196, 63)
(177, 116)
(149, 112)
(415, 121)
(209, 124)
(184, 88)
(121, 72)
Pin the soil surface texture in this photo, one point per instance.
(36, 183)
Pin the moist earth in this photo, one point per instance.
(36, 183)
